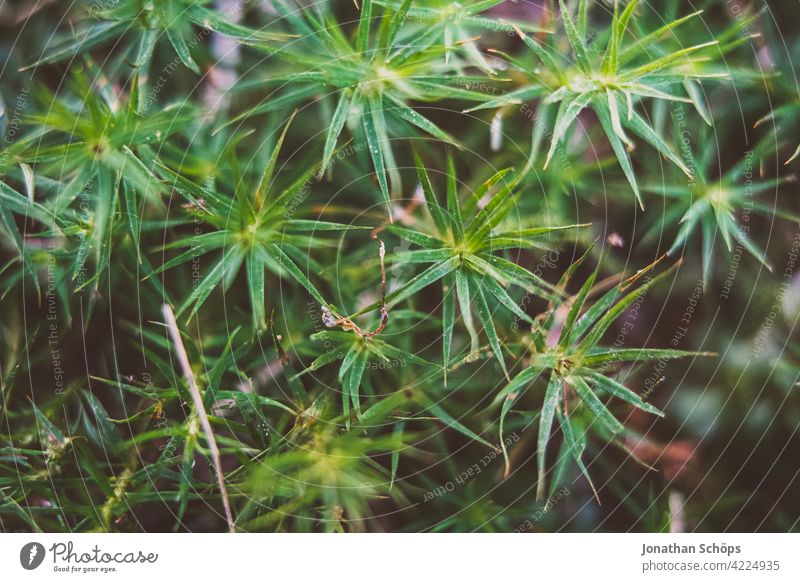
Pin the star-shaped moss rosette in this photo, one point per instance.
(578, 369)
(780, 123)
(467, 255)
(99, 151)
(612, 83)
(709, 206)
(252, 228)
(136, 27)
(323, 478)
(458, 27)
(356, 355)
(372, 77)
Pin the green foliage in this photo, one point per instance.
(252, 227)
(611, 82)
(709, 206)
(462, 255)
(455, 26)
(140, 24)
(573, 361)
(371, 77)
(374, 223)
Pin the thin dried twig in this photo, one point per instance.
(345, 322)
(183, 359)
